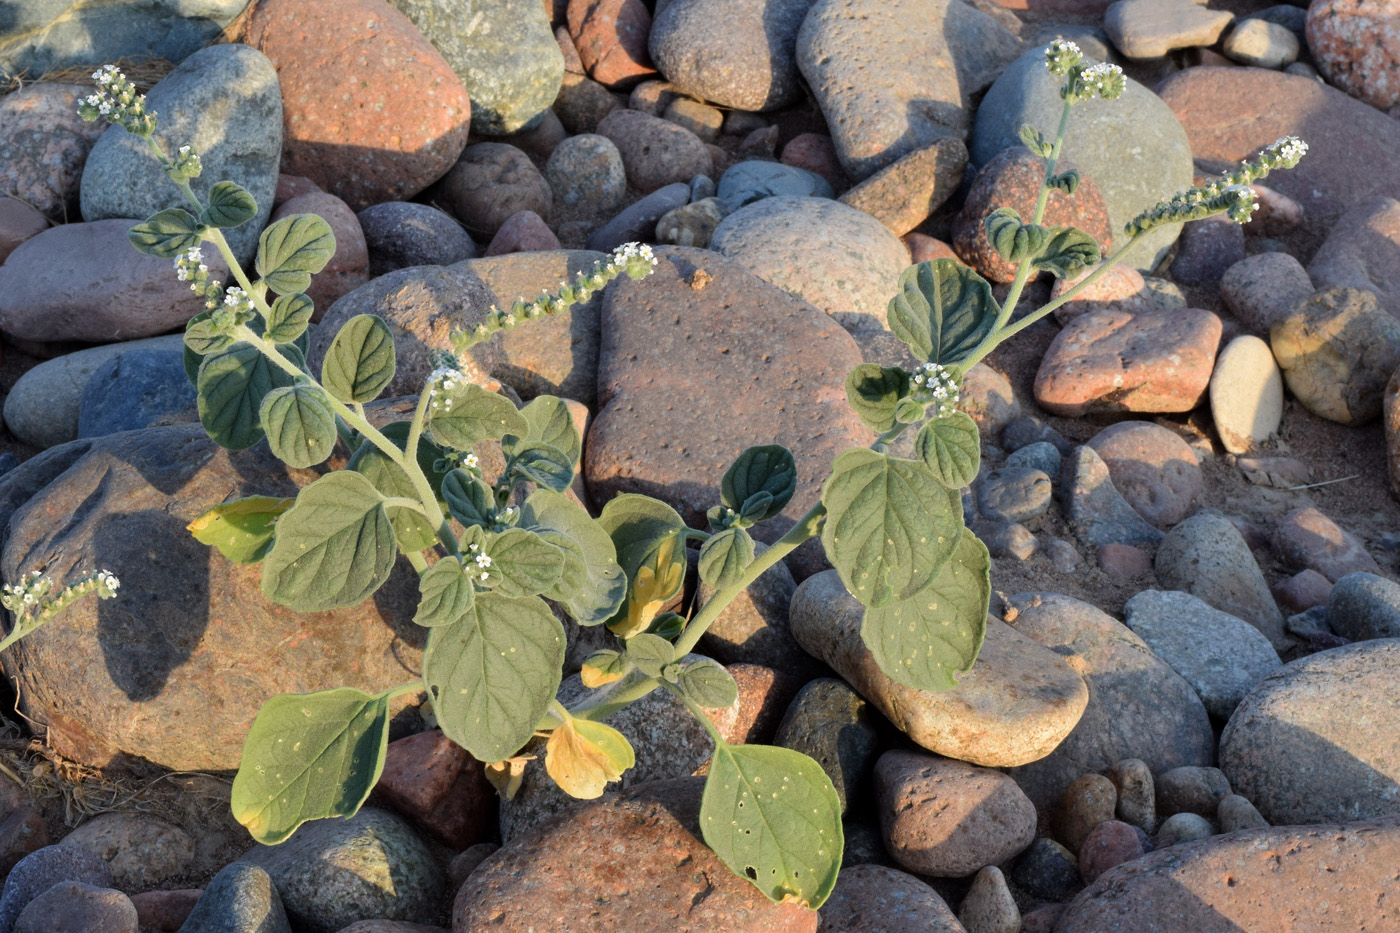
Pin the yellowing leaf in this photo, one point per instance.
(583, 756)
(658, 579)
(506, 776)
(602, 668)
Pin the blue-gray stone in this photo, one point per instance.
(135, 390)
(240, 899)
(505, 53)
(746, 182)
(1042, 456)
(399, 234)
(333, 873)
(702, 187)
(638, 221)
(1013, 494)
(1133, 148)
(42, 869)
(43, 35)
(225, 103)
(1363, 606)
(1095, 509)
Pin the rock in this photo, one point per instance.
(1015, 705)
(1276, 213)
(1391, 411)
(586, 172)
(321, 872)
(652, 97)
(1206, 556)
(1220, 656)
(43, 407)
(740, 55)
(1122, 288)
(43, 144)
(873, 898)
(21, 832)
(611, 38)
(1137, 796)
(1006, 539)
(42, 869)
(1133, 148)
(524, 232)
(655, 152)
(694, 224)
(1302, 591)
(434, 782)
(505, 56)
(764, 696)
(490, 183)
(1152, 467)
(1047, 870)
(1013, 179)
(987, 398)
(165, 910)
(187, 646)
(1246, 394)
(1041, 456)
(1062, 554)
(540, 140)
(582, 104)
(136, 389)
(141, 851)
(405, 114)
(753, 180)
(18, 222)
(1123, 560)
(1109, 845)
(881, 107)
(816, 153)
(638, 221)
(1359, 252)
(240, 899)
(1258, 42)
(1355, 50)
(1184, 827)
(947, 818)
(1280, 472)
(1023, 432)
(348, 268)
(1363, 606)
(1235, 813)
(753, 628)
(468, 861)
(224, 103)
(83, 281)
(905, 193)
(1138, 706)
(989, 906)
(1152, 28)
(74, 907)
(1192, 790)
(400, 234)
(391, 926)
(1042, 919)
(926, 248)
(1089, 800)
(1095, 509)
(842, 260)
(552, 878)
(1112, 361)
(831, 724)
(1207, 248)
(701, 119)
(48, 35)
(1307, 538)
(1014, 494)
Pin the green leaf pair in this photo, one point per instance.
(1061, 251)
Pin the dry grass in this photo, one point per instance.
(143, 72)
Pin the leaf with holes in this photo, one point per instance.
(300, 425)
(493, 673)
(230, 393)
(360, 360)
(930, 639)
(874, 391)
(943, 311)
(230, 205)
(445, 594)
(242, 529)
(292, 250)
(769, 469)
(951, 449)
(522, 563)
(308, 757)
(592, 588)
(889, 527)
(469, 415)
(772, 815)
(724, 557)
(166, 234)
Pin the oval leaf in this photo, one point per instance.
(230, 390)
(550, 423)
(706, 683)
(889, 526)
(523, 563)
(592, 593)
(289, 317)
(650, 653)
(772, 815)
(602, 668)
(292, 250)
(470, 415)
(469, 499)
(583, 757)
(241, 529)
(445, 594)
(493, 673)
(874, 391)
(300, 425)
(724, 557)
(333, 548)
(308, 757)
(229, 206)
(166, 234)
(951, 449)
(930, 639)
(539, 463)
(360, 360)
(943, 311)
(638, 525)
(769, 469)
(1068, 252)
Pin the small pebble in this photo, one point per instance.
(1063, 557)
(1006, 539)
(1137, 795)
(1123, 560)
(1236, 813)
(1088, 801)
(1109, 845)
(1048, 870)
(1183, 827)
(1191, 789)
(989, 906)
(1014, 494)
(1042, 456)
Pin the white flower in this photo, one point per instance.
(483, 561)
(471, 461)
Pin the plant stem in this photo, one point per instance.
(418, 562)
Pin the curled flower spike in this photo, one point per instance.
(441, 384)
(187, 165)
(116, 100)
(1101, 80)
(30, 600)
(1060, 56)
(933, 383)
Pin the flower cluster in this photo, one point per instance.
(935, 384)
(31, 602)
(1230, 194)
(442, 383)
(26, 594)
(1086, 83)
(187, 165)
(1060, 56)
(117, 101)
(190, 267)
(481, 559)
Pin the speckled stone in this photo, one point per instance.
(1089, 800)
(1337, 350)
(1137, 795)
(831, 724)
(1110, 844)
(875, 899)
(43, 144)
(989, 906)
(1152, 28)
(490, 183)
(1153, 468)
(903, 195)
(42, 869)
(1191, 789)
(1305, 537)
(655, 152)
(1360, 252)
(1357, 48)
(401, 233)
(1363, 606)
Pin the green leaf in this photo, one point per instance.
(769, 469)
(289, 317)
(166, 234)
(537, 462)
(550, 423)
(602, 668)
(360, 360)
(204, 337)
(241, 529)
(754, 509)
(951, 449)
(230, 390)
(650, 653)
(229, 206)
(470, 415)
(1035, 141)
(292, 250)
(909, 411)
(300, 425)
(333, 548)
(772, 815)
(596, 590)
(928, 640)
(446, 594)
(411, 529)
(522, 563)
(308, 757)
(1012, 239)
(943, 311)
(469, 499)
(874, 391)
(890, 526)
(638, 526)
(706, 683)
(668, 625)
(1067, 181)
(724, 557)
(1068, 252)
(493, 673)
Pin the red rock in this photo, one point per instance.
(1112, 361)
(816, 153)
(1302, 591)
(372, 112)
(611, 37)
(292, 186)
(572, 63)
(1123, 560)
(1357, 47)
(349, 267)
(1090, 800)
(924, 248)
(1109, 845)
(434, 782)
(43, 145)
(654, 151)
(764, 695)
(522, 233)
(1120, 289)
(903, 194)
(491, 183)
(165, 910)
(1307, 538)
(18, 222)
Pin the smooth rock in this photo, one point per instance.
(1047, 870)
(165, 910)
(582, 104)
(348, 268)
(1137, 793)
(434, 782)
(1095, 509)
(74, 907)
(816, 153)
(874, 899)
(586, 172)
(752, 180)
(42, 869)
(1192, 790)
(1360, 252)
(904, 194)
(21, 832)
(701, 119)
(240, 899)
(1014, 494)
(399, 234)
(1089, 800)
(1235, 813)
(611, 38)
(638, 220)
(764, 696)
(1152, 28)
(989, 906)
(1307, 538)
(1123, 560)
(1355, 47)
(655, 152)
(1263, 288)
(43, 144)
(1246, 394)
(1183, 827)
(1122, 288)
(1363, 606)
(694, 224)
(18, 222)
(1109, 845)
(1302, 591)
(1262, 44)
(1207, 248)
(1041, 456)
(136, 389)
(490, 183)
(1007, 539)
(1152, 467)
(140, 850)
(524, 232)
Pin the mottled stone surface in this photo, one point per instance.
(1363, 251)
(43, 144)
(1153, 467)
(874, 899)
(738, 54)
(903, 195)
(1356, 45)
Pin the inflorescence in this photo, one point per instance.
(31, 602)
(935, 384)
(190, 267)
(117, 100)
(1064, 59)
